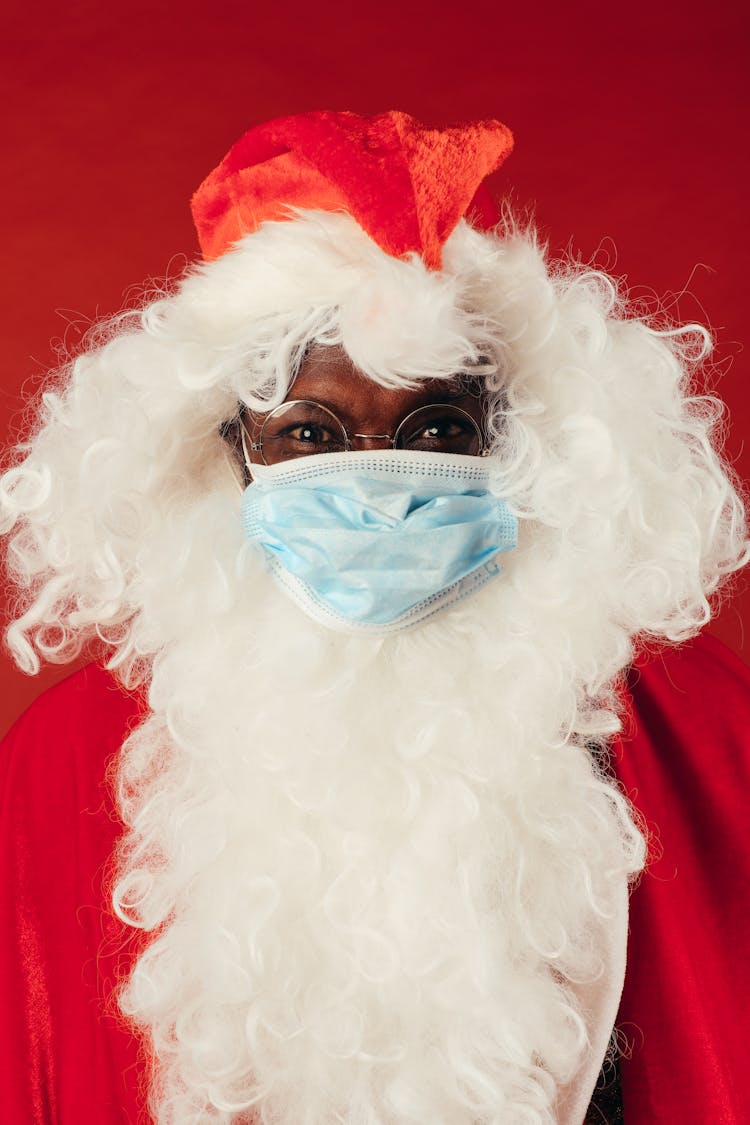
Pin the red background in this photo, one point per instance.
(631, 127)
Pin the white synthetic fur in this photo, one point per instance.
(373, 867)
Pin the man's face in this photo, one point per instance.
(370, 414)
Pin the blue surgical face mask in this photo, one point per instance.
(375, 542)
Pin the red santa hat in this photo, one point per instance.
(407, 186)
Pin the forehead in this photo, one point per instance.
(328, 373)
(327, 367)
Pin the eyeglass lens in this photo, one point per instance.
(302, 428)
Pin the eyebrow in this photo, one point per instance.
(457, 388)
(448, 393)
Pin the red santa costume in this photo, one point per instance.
(313, 876)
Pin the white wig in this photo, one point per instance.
(599, 436)
(371, 868)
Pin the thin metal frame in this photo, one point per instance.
(257, 446)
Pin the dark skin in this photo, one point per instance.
(328, 376)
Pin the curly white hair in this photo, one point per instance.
(339, 848)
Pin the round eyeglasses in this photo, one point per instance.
(301, 428)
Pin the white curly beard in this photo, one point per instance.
(372, 868)
(376, 868)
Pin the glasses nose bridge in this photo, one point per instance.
(371, 439)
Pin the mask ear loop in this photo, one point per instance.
(231, 459)
(233, 468)
(245, 454)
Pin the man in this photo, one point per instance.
(371, 514)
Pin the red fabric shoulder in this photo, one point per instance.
(63, 1058)
(685, 763)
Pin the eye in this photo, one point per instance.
(440, 429)
(300, 429)
(309, 433)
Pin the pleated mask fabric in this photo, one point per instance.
(378, 541)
